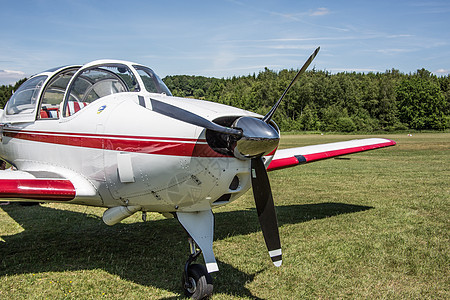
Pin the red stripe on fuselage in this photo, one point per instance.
(38, 189)
(139, 144)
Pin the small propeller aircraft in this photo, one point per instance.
(110, 134)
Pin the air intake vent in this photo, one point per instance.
(220, 142)
(234, 184)
(223, 198)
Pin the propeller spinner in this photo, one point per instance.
(248, 138)
(258, 138)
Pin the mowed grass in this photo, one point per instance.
(375, 225)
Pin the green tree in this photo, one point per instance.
(335, 102)
(421, 103)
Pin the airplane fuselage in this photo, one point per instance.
(132, 155)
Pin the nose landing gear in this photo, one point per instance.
(197, 282)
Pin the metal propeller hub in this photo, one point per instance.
(258, 138)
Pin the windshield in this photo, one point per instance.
(152, 82)
(23, 101)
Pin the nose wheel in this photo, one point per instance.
(197, 282)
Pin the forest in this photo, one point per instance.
(322, 101)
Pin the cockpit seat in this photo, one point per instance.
(74, 106)
(49, 113)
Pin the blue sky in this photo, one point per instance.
(226, 37)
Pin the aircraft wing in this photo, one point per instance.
(42, 186)
(286, 158)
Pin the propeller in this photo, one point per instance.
(270, 114)
(261, 186)
(248, 138)
(266, 209)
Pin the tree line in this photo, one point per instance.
(321, 101)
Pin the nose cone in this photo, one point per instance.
(259, 138)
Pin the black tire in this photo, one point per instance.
(28, 203)
(201, 280)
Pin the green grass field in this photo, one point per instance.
(372, 226)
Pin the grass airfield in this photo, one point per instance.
(373, 225)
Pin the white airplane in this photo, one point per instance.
(110, 134)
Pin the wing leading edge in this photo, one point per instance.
(286, 158)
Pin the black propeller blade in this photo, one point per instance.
(269, 115)
(266, 209)
(191, 118)
(261, 186)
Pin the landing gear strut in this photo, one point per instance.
(197, 283)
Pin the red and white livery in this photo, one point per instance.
(110, 134)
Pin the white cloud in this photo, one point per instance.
(228, 72)
(394, 51)
(292, 17)
(396, 36)
(321, 11)
(291, 47)
(441, 71)
(10, 77)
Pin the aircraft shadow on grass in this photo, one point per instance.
(149, 254)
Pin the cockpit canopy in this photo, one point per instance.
(64, 91)
(23, 101)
